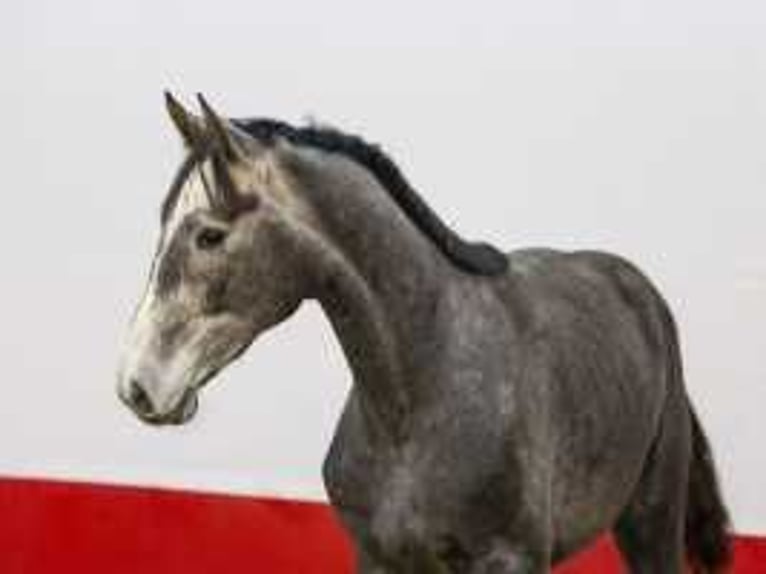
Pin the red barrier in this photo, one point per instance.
(59, 527)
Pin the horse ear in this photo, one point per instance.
(189, 126)
(223, 133)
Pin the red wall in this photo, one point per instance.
(55, 527)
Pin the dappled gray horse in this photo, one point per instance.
(506, 409)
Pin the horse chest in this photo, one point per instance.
(382, 500)
(358, 473)
(424, 493)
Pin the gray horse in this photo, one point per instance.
(506, 409)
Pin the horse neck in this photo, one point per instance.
(381, 281)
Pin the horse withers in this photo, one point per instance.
(505, 409)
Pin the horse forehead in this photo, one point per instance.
(192, 196)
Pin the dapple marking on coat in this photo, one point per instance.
(505, 409)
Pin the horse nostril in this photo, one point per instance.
(139, 398)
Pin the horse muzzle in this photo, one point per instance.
(135, 397)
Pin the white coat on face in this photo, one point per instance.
(167, 370)
(140, 359)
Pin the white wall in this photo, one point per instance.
(633, 126)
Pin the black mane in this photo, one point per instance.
(474, 257)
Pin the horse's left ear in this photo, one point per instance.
(188, 125)
(224, 135)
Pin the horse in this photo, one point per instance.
(506, 408)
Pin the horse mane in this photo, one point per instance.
(474, 257)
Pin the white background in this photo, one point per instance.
(638, 127)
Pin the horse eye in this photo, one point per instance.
(209, 238)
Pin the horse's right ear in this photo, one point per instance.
(188, 125)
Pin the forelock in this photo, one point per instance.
(188, 193)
